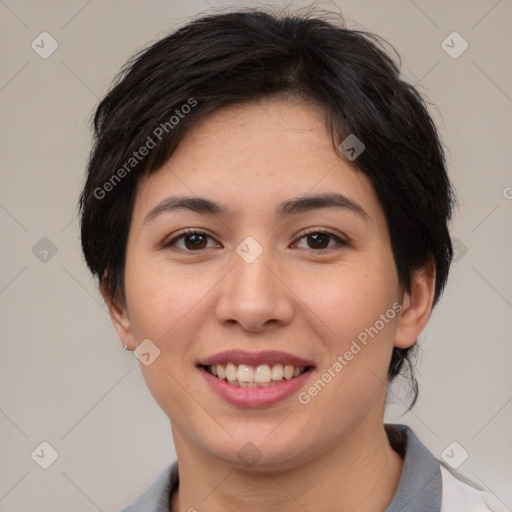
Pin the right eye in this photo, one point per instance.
(189, 241)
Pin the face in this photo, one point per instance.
(284, 260)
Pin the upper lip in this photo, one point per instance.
(254, 358)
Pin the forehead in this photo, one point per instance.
(256, 155)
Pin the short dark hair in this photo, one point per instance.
(237, 57)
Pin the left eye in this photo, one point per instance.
(321, 240)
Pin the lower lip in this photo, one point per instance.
(255, 397)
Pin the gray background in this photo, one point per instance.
(65, 378)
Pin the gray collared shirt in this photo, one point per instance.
(420, 488)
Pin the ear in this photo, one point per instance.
(120, 318)
(417, 306)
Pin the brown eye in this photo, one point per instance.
(318, 240)
(321, 240)
(195, 241)
(190, 241)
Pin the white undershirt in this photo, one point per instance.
(461, 497)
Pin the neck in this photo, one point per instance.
(361, 472)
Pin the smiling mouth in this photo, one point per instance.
(261, 376)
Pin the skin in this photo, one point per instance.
(333, 453)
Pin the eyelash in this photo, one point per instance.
(171, 244)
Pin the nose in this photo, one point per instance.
(253, 297)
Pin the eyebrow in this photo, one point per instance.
(293, 206)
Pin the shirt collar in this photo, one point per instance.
(420, 484)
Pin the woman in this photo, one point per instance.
(266, 211)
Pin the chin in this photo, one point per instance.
(254, 452)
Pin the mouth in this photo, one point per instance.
(249, 376)
(247, 379)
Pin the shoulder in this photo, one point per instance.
(156, 497)
(461, 496)
(428, 484)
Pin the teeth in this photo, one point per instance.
(277, 372)
(245, 373)
(264, 375)
(231, 371)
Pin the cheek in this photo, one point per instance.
(353, 377)
(348, 300)
(161, 298)
(168, 307)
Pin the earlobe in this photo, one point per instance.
(119, 316)
(417, 306)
